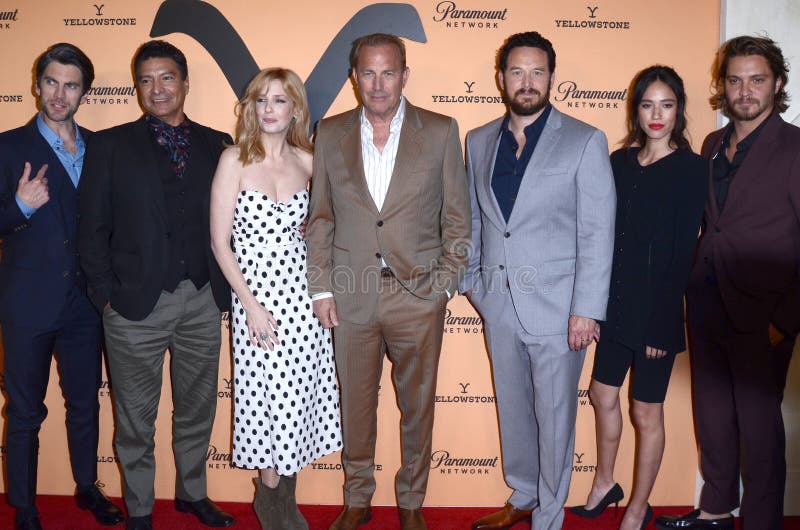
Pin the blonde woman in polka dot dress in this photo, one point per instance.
(286, 404)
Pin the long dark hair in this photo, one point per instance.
(747, 45)
(639, 85)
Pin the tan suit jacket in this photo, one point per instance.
(422, 232)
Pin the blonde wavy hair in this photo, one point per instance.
(248, 133)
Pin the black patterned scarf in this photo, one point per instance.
(175, 140)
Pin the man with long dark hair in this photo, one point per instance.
(744, 293)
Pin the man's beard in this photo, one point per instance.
(531, 106)
(751, 113)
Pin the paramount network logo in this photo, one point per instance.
(592, 98)
(216, 459)
(460, 465)
(111, 95)
(457, 323)
(453, 17)
(7, 17)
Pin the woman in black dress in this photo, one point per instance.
(661, 189)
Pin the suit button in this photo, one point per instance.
(66, 241)
(502, 267)
(380, 223)
(507, 234)
(378, 255)
(66, 274)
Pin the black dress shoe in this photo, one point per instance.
(31, 523)
(144, 522)
(691, 521)
(104, 511)
(206, 512)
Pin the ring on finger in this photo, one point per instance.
(263, 336)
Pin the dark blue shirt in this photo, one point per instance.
(508, 169)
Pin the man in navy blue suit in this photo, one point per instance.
(44, 309)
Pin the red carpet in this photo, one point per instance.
(60, 513)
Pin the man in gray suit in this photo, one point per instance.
(538, 273)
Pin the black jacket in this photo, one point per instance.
(123, 235)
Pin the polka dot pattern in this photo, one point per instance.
(286, 401)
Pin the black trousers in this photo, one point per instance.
(75, 340)
(738, 380)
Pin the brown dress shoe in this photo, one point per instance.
(412, 520)
(351, 518)
(505, 518)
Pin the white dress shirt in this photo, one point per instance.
(378, 165)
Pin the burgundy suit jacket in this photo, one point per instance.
(754, 243)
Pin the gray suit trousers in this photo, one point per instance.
(186, 321)
(536, 383)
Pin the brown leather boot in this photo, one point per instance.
(351, 518)
(271, 515)
(505, 518)
(286, 495)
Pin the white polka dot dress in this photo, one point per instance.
(286, 401)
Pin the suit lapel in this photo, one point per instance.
(712, 197)
(408, 150)
(761, 151)
(149, 171)
(484, 173)
(351, 154)
(547, 141)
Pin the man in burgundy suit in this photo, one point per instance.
(744, 293)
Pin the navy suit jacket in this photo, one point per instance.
(39, 256)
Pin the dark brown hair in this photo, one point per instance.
(639, 85)
(748, 45)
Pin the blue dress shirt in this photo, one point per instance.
(508, 169)
(73, 164)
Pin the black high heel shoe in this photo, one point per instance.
(614, 495)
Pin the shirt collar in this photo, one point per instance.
(397, 120)
(52, 139)
(537, 125)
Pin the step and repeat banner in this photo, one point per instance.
(451, 44)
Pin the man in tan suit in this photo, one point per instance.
(388, 234)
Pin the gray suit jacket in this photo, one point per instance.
(555, 252)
